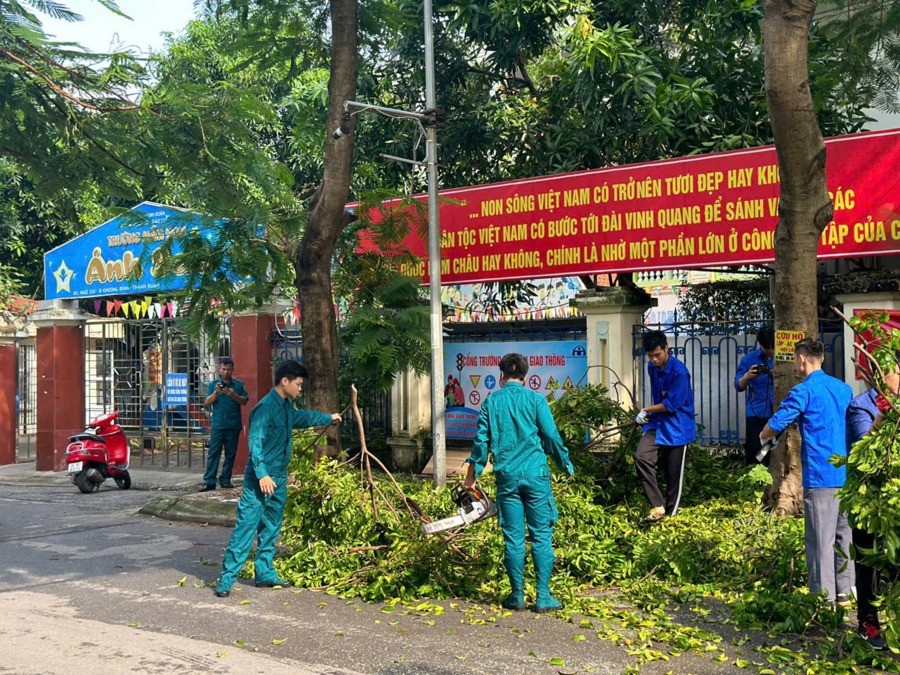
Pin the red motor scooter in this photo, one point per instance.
(100, 452)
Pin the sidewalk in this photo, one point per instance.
(217, 507)
(142, 478)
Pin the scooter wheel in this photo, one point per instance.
(84, 484)
(123, 481)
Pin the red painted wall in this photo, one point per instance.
(60, 393)
(251, 349)
(8, 375)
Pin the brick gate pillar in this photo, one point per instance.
(886, 301)
(611, 314)
(60, 379)
(9, 373)
(251, 349)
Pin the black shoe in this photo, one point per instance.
(274, 583)
(870, 632)
(227, 485)
(222, 594)
(207, 488)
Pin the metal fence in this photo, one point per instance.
(26, 402)
(712, 351)
(126, 364)
(374, 405)
(520, 331)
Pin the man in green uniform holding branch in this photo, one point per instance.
(516, 426)
(261, 509)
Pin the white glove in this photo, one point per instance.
(642, 417)
(766, 446)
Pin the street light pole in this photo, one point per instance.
(434, 266)
(428, 120)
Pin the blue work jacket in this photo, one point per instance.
(760, 392)
(861, 414)
(671, 386)
(819, 404)
(226, 412)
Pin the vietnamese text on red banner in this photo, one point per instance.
(709, 210)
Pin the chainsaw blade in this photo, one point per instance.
(443, 524)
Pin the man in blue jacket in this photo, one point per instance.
(668, 425)
(754, 376)
(261, 508)
(517, 428)
(819, 405)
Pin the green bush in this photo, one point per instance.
(362, 540)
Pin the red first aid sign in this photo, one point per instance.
(708, 210)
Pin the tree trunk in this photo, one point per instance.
(327, 219)
(804, 210)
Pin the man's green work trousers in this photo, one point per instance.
(258, 515)
(219, 440)
(527, 499)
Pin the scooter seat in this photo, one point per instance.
(87, 436)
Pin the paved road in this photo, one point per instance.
(86, 585)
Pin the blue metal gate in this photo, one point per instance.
(375, 406)
(712, 351)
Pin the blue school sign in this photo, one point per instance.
(120, 256)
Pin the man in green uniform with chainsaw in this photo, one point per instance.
(517, 428)
(261, 508)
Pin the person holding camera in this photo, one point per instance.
(819, 406)
(225, 396)
(668, 425)
(754, 375)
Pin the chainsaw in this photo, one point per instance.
(471, 507)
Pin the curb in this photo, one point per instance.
(37, 481)
(60, 479)
(203, 511)
(157, 487)
(54, 481)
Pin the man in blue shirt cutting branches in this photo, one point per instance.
(668, 424)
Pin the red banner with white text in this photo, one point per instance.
(703, 211)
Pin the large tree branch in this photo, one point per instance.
(62, 92)
(71, 72)
(505, 78)
(97, 144)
